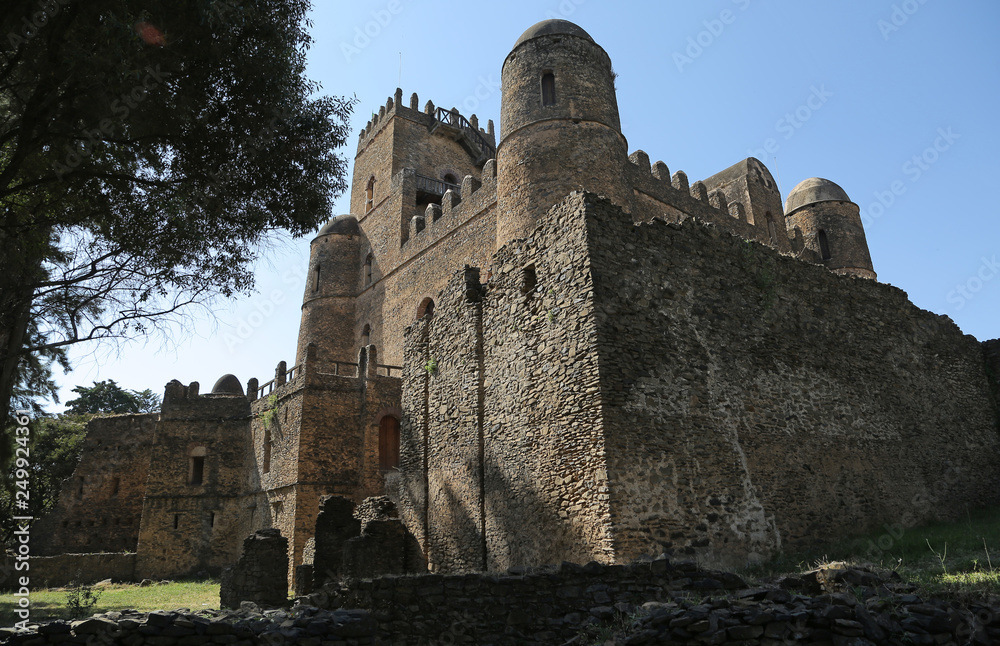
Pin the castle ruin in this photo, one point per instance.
(544, 348)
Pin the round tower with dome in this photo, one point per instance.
(559, 126)
(331, 289)
(821, 215)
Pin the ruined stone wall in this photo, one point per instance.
(100, 506)
(187, 526)
(753, 402)
(259, 575)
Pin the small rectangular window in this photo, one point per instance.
(177, 521)
(197, 470)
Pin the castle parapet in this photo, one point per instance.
(458, 205)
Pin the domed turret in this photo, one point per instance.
(559, 126)
(822, 218)
(227, 385)
(333, 282)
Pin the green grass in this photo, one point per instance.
(51, 604)
(958, 559)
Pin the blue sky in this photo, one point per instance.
(896, 101)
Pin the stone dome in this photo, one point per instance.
(550, 27)
(812, 191)
(345, 225)
(227, 385)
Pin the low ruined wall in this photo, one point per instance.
(55, 571)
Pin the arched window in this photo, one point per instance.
(548, 89)
(370, 195)
(824, 245)
(450, 179)
(426, 308)
(366, 335)
(369, 261)
(388, 443)
(196, 466)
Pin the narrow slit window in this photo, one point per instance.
(370, 195)
(824, 245)
(177, 521)
(369, 261)
(316, 279)
(366, 335)
(267, 451)
(548, 89)
(197, 470)
(772, 228)
(529, 280)
(115, 485)
(211, 519)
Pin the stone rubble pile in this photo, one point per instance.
(248, 626)
(647, 602)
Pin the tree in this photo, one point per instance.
(109, 397)
(147, 150)
(54, 447)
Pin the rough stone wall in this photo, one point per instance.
(100, 506)
(189, 527)
(506, 426)
(260, 575)
(752, 401)
(991, 350)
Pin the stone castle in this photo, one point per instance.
(543, 348)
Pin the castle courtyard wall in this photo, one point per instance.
(100, 506)
(754, 402)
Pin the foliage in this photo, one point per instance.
(108, 397)
(46, 604)
(431, 366)
(965, 570)
(54, 449)
(147, 150)
(81, 599)
(268, 416)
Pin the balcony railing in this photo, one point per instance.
(436, 187)
(456, 120)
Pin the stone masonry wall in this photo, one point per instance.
(753, 402)
(100, 505)
(190, 526)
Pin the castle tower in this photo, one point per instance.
(825, 224)
(559, 126)
(328, 303)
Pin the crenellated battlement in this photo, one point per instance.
(456, 207)
(429, 116)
